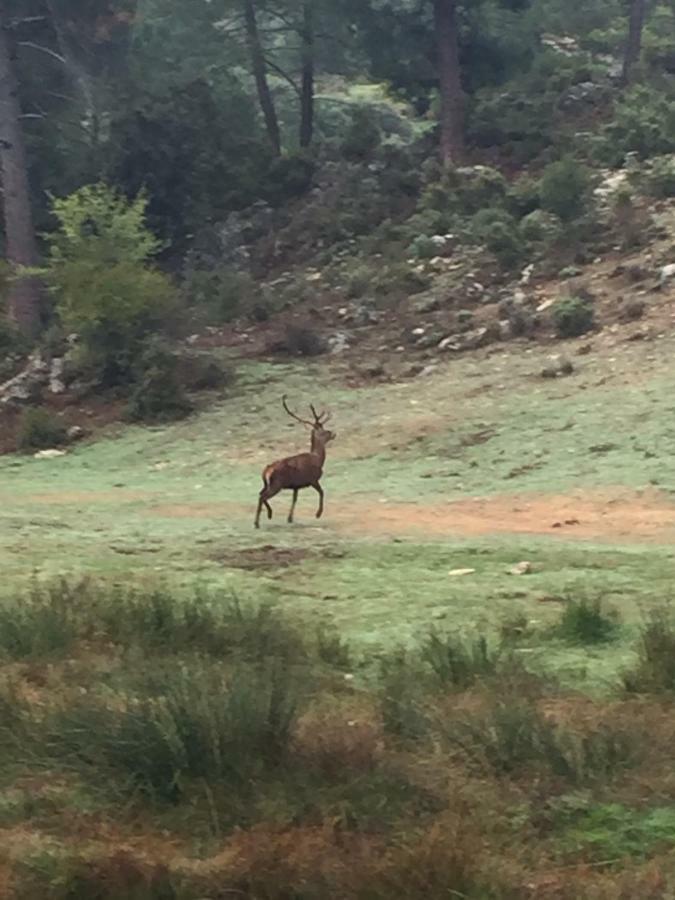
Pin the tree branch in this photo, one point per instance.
(280, 72)
(43, 49)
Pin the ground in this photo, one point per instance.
(480, 465)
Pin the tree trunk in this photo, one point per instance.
(260, 75)
(452, 97)
(634, 43)
(20, 243)
(307, 96)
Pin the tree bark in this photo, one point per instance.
(307, 93)
(452, 96)
(20, 242)
(634, 43)
(260, 74)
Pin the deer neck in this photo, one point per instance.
(318, 449)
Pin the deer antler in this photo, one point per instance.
(294, 416)
(320, 418)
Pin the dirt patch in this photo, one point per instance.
(604, 515)
(58, 498)
(255, 559)
(617, 515)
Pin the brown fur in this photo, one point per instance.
(297, 472)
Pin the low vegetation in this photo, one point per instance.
(269, 769)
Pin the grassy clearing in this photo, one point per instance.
(189, 709)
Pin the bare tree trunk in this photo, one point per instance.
(307, 95)
(452, 97)
(260, 75)
(21, 246)
(634, 43)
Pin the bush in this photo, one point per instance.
(42, 624)
(644, 123)
(158, 394)
(423, 247)
(221, 293)
(363, 135)
(572, 317)
(498, 230)
(565, 189)
(659, 179)
(586, 622)
(540, 226)
(465, 191)
(299, 340)
(99, 269)
(655, 670)
(199, 371)
(40, 429)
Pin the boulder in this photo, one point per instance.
(27, 386)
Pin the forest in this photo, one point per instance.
(416, 256)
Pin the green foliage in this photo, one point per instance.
(219, 294)
(363, 135)
(655, 669)
(541, 227)
(422, 247)
(99, 269)
(565, 189)
(659, 179)
(643, 123)
(572, 317)
(498, 230)
(40, 429)
(612, 830)
(585, 621)
(42, 624)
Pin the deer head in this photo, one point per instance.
(320, 435)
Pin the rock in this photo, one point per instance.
(526, 274)
(667, 274)
(559, 367)
(458, 573)
(424, 305)
(470, 340)
(56, 382)
(428, 370)
(27, 385)
(75, 433)
(49, 454)
(521, 568)
(338, 343)
(632, 310)
(364, 314)
(431, 338)
(418, 332)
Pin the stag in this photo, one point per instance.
(297, 472)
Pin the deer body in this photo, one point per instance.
(297, 472)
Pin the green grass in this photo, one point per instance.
(177, 502)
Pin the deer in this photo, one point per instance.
(300, 471)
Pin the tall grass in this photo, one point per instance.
(458, 663)
(655, 669)
(587, 621)
(191, 723)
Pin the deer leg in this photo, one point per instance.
(294, 501)
(265, 494)
(317, 487)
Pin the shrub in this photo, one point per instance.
(199, 371)
(655, 670)
(498, 230)
(565, 189)
(643, 123)
(659, 180)
(465, 191)
(158, 394)
(220, 293)
(41, 624)
(363, 135)
(299, 340)
(401, 705)
(331, 649)
(423, 247)
(586, 622)
(572, 317)
(541, 226)
(99, 269)
(40, 429)
(458, 663)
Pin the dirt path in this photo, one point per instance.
(618, 515)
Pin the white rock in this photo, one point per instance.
(49, 454)
(667, 272)
(458, 573)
